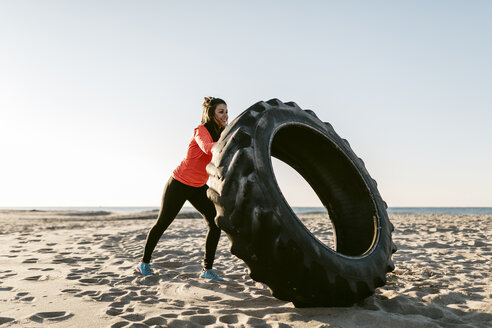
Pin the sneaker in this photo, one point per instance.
(144, 269)
(210, 274)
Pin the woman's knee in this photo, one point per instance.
(212, 227)
(211, 223)
(157, 229)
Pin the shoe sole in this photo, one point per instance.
(210, 279)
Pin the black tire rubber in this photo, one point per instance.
(264, 231)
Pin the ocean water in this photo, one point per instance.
(440, 210)
(412, 210)
(297, 210)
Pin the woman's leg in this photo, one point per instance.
(206, 207)
(173, 198)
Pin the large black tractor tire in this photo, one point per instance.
(263, 229)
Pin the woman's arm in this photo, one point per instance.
(203, 139)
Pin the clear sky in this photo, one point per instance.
(98, 99)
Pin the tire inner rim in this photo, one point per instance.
(337, 182)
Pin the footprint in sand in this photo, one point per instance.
(73, 276)
(27, 299)
(68, 260)
(8, 273)
(97, 235)
(211, 298)
(5, 320)
(202, 311)
(94, 281)
(177, 303)
(32, 278)
(118, 262)
(40, 317)
(105, 297)
(148, 280)
(203, 320)
(118, 304)
(120, 324)
(144, 292)
(24, 297)
(110, 297)
(114, 312)
(92, 293)
(155, 321)
(107, 274)
(169, 315)
(255, 322)
(118, 292)
(228, 319)
(89, 259)
(133, 317)
(31, 260)
(21, 294)
(46, 250)
(71, 290)
(234, 288)
(107, 246)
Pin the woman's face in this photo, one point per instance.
(221, 115)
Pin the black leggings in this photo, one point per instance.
(174, 196)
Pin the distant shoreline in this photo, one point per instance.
(297, 209)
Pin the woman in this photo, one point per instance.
(188, 182)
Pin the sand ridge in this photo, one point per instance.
(76, 269)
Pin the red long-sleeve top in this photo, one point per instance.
(192, 169)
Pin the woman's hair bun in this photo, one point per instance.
(208, 101)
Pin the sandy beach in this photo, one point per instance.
(77, 269)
